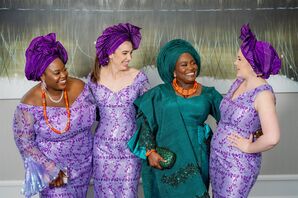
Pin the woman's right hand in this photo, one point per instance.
(58, 182)
(154, 158)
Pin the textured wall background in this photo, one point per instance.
(211, 25)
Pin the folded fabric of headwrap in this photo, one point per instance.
(261, 55)
(169, 55)
(42, 51)
(112, 37)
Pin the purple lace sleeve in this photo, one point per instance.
(144, 83)
(39, 170)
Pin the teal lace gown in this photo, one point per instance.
(168, 120)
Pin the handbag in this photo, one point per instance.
(167, 155)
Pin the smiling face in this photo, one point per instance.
(186, 70)
(243, 68)
(55, 76)
(122, 55)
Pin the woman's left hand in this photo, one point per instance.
(243, 144)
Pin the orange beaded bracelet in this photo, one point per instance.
(149, 152)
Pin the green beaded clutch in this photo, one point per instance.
(168, 155)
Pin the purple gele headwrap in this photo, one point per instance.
(42, 51)
(112, 37)
(261, 55)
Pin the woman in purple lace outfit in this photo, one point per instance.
(52, 125)
(115, 86)
(249, 106)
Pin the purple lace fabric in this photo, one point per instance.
(116, 170)
(45, 153)
(233, 172)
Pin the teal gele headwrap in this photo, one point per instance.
(170, 53)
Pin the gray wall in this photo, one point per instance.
(281, 160)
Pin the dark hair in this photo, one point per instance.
(95, 71)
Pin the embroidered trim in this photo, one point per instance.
(181, 175)
(147, 138)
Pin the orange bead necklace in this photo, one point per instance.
(43, 95)
(185, 92)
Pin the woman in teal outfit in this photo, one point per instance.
(172, 116)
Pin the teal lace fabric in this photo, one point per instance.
(147, 138)
(181, 175)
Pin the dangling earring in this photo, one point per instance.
(174, 74)
(110, 58)
(43, 85)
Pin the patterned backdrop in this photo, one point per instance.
(211, 25)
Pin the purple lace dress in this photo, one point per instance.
(233, 172)
(116, 170)
(45, 153)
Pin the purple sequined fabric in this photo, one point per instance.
(116, 170)
(233, 172)
(51, 152)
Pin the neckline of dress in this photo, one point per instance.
(120, 90)
(244, 93)
(70, 106)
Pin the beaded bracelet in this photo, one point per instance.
(149, 152)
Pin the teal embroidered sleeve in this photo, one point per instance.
(147, 138)
(143, 139)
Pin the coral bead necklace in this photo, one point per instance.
(43, 96)
(185, 92)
